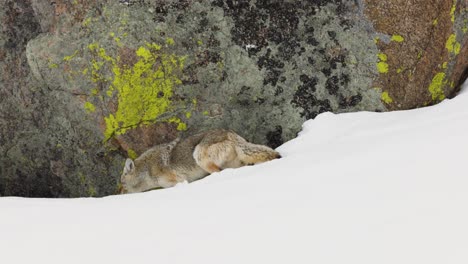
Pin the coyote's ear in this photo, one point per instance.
(129, 166)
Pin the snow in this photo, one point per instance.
(352, 188)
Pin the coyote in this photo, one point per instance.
(191, 159)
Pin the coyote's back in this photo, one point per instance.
(190, 159)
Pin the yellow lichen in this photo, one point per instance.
(435, 22)
(420, 53)
(89, 107)
(386, 98)
(170, 41)
(86, 22)
(452, 45)
(399, 70)
(436, 87)
(397, 38)
(452, 10)
(143, 90)
(117, 40)
(444, 65)
(132, 154)
(69, 58)
(382, 56)
(382, 65)
(180, 125)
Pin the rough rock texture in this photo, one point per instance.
(86, 83)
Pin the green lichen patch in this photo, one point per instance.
(452, 45)
(89, 107)
(170, 41)
(386, 98)
(436, 87)
(452, 11)
(70, 57)
(397, 38)
(382, 56)
(143, 90)
(382, 65)
(132, 154)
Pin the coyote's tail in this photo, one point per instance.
(249, 153)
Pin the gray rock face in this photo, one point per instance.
(88, 83)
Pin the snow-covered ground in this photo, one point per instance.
(352, 188)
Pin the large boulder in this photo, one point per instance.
(87, 83)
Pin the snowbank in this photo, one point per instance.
(352, 188)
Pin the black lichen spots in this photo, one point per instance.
(204, 22)
(345, 22)
(337, 59)
(262, 22)
(190, 75)
(344, 80)
(19, 25)
(283, 19)
(312, 41)
(346, 102)
(218, 3)
(308, 82)
(309, 36)
(273, 68)
(161, 9)
(206, 57)
(305, 98)
(289, 48)
(250, 24)
(326, 72)
(160, 12)
(260, 100)
(279, 90)
(213, 42)
(332, 85)
(244, 96)
(332, 35)
(311, 60)
(275, 137)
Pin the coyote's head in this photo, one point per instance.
(136, 177)
(128, 179)
(136, 174)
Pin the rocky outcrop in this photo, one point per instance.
(87, 83)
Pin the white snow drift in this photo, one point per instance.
(352, 188)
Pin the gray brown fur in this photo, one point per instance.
(191, 159)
